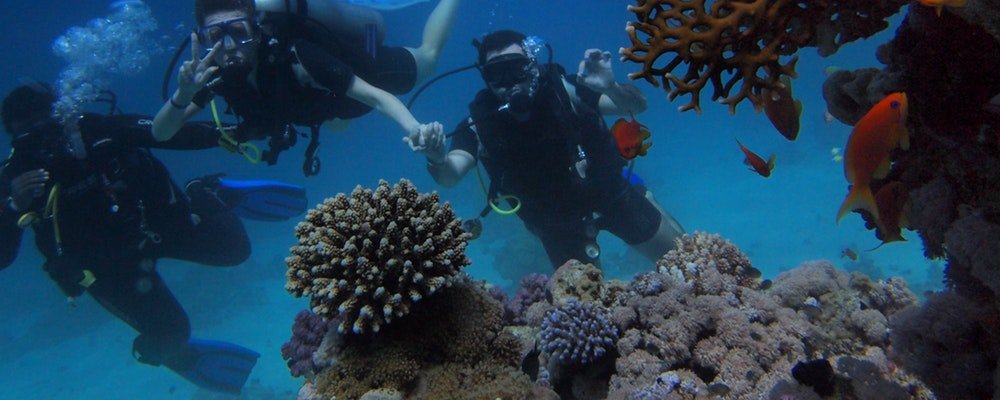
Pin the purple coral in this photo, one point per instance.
(532, 291)
(307, 334)
(577, 333)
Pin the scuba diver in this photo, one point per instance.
(549, 155)
(103, 210)
(279, 64)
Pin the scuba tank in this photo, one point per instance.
(351, 23)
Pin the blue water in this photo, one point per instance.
(52, 350)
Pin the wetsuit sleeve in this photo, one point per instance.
(586, 95)
(464, 138)
(10, 234)
(324, 68)
(137, 131)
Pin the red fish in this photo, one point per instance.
(939, 4)
(756, 163)
(783, 111)
(891, 200)
(880, 131)
(630, 136)
(847, 252)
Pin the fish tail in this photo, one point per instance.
(859, 198)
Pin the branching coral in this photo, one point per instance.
(369, 257)
(740, 38)
(578, 333)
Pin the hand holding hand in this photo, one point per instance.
(28, 186)
(595, 71)
(428, 139)
(197, 72)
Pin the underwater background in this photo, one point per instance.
(51, 350)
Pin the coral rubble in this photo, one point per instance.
(742, 38)
(368, 257)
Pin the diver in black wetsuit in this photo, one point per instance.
(104, 210)
(279, 64)
(541, 136)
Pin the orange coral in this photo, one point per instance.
(728, 41)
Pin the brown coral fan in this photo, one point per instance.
(709, 260)
(741, 37)
(368, 257)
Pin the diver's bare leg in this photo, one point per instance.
(436, 31)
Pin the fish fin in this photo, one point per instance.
(904, 136)
(938, 10)
(798, 107)
(770, 162)
(859, 198)
(645, 148)
(883, 169)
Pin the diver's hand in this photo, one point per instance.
(26, 187)
(595, 71)
(428, 139)
(196, 72)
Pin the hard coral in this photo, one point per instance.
(578, 333)
(307, 335)
(710, 263)
(369, 257)
(741, 37)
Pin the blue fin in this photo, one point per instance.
(220, 366)
(265, 200)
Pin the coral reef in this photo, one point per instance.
(368, 257)
(308, 331)
(709, 260)
(740, 38)
(577, 333)
(847, 312)
(531, 291)
(450, 340)
(951, 172)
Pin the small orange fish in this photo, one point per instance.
(848, 253)
(939, 4)
(891, 201)
(630, 136)
(880, 131)
(756, 163)
(783, 111)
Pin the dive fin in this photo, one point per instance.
(220, 366)
(264, 200)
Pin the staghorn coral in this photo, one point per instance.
(708, 261)
(577, 333)
(369, 257)
(740, 38)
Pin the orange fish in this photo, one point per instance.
(783, 111)
(891, 201)
(756, 163)
(630, 136)
(880, 131)
(939, 4)
(847, 252)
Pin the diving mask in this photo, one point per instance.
(241, 31)
(507, 70)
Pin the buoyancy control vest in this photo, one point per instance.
(539, 160)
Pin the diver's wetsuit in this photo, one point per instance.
(116, 212)
(535, 161)
(281, 99)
